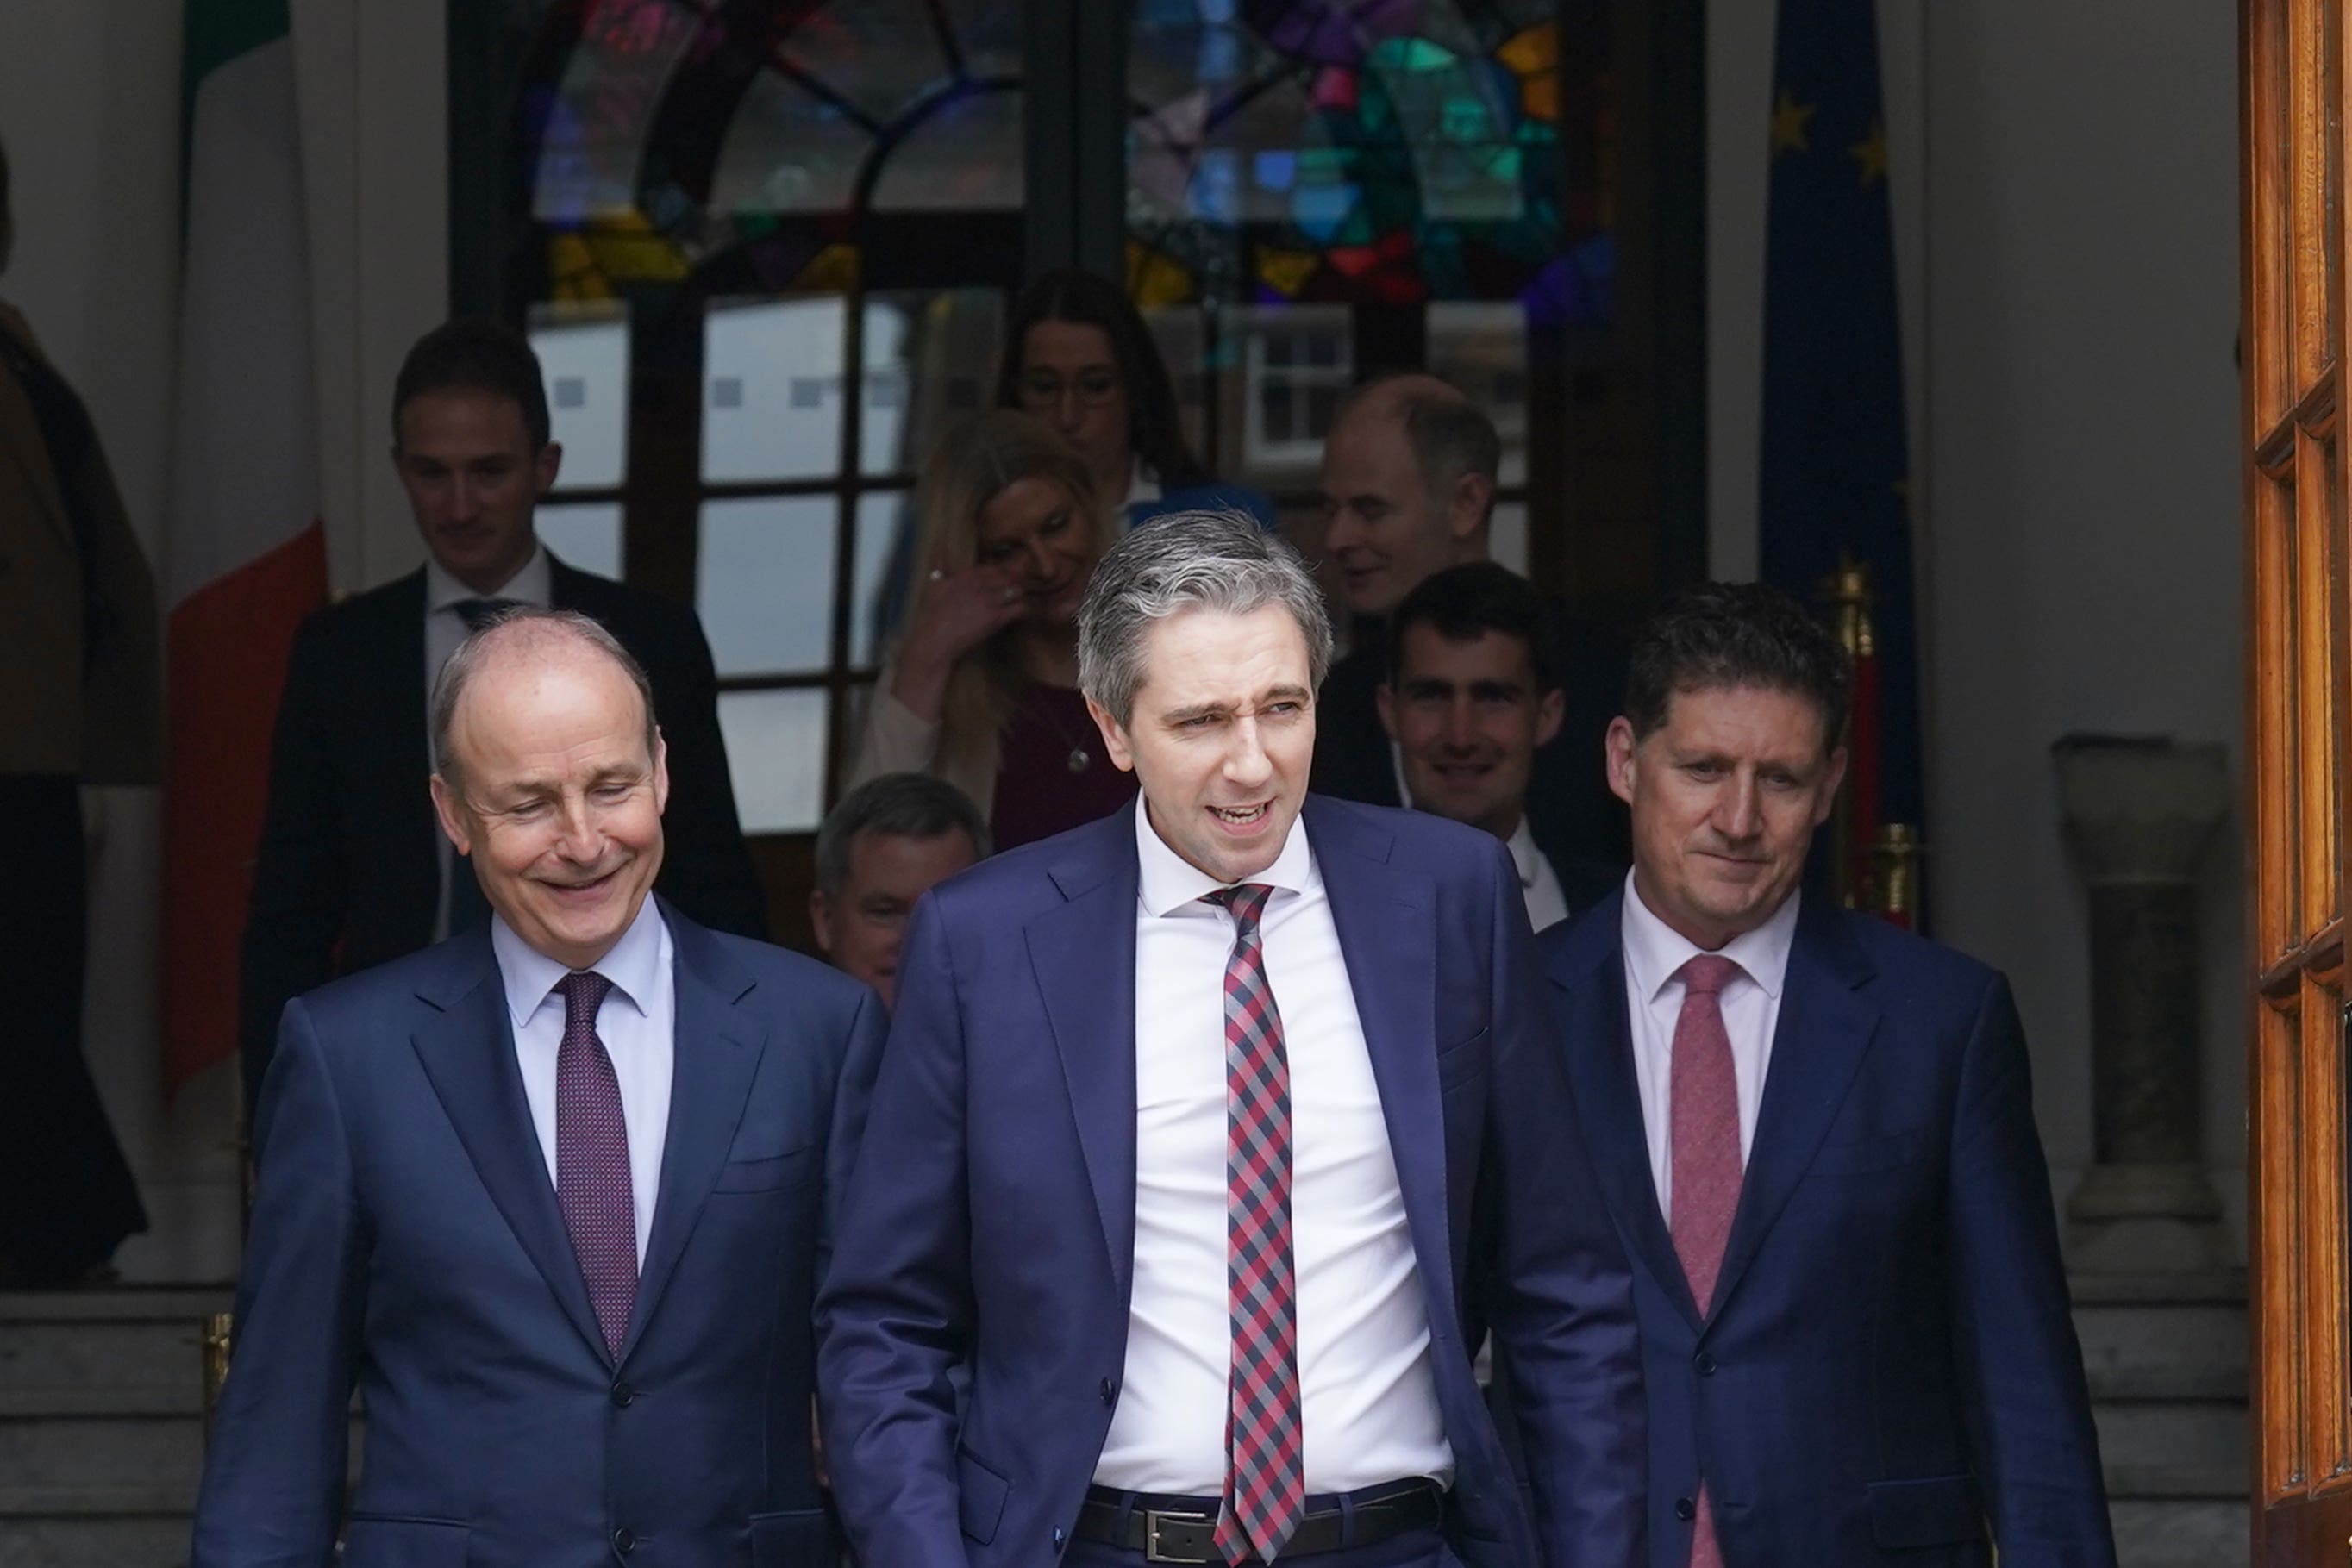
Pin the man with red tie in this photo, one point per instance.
(554, 1193)
(1210, 1140)
(1815, 1133)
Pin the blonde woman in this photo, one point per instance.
(982, 689)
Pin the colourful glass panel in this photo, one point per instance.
(1369, 152)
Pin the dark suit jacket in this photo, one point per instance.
(990, 1233)
(406, 1237)
(1890, 1360)
(348, 873)
(1578, 824)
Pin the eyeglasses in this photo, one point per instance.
(1044, 388)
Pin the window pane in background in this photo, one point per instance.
(928, 357)
(882, 55)
(763, 584)
(965, 155)
(583, 357)
(1282, 373)
(587, 536)
(772, 389)
(884, 526)
(775, 755)
(1177, 330)
(594, 143)
(1507, 536)
(1482, 347)
(788, 151)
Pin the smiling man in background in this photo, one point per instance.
(350, 870)
(1062, 1324)
(1473, 693)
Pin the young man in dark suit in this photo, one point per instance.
(1815, 1135)
(350, 870)
(1211, 1138)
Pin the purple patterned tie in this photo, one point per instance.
(1704, 1160)
(1265, 1474)
(591, 1160)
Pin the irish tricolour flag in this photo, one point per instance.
(246, 555)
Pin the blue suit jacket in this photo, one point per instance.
(405, 1237)
(1890, 1360)
(989, 1234)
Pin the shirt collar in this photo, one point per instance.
(1170, 884)
(530, 975)
(1142, 483)
(1656, 952)
(533, 583)
(1525, 856)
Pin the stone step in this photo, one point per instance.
(2184, 1436)
(2209, 1534)
(93, 1542)
(100, 1452)
(2164, 1351)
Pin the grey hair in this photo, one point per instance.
(1217, 561)
(898, 805)
(459, 669)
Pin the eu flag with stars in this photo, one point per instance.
(1833, 479)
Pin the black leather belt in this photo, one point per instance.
(1183, 1529)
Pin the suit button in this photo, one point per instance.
(1686, 1510)
(625, 1541)
(1109, 1391)
(623, 1394)
(1057, 1538)
(1706, 1364)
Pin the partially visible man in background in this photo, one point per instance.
(350, 870)
(1473, 691)
(1409, 471)
(80, 704)
(888, 842)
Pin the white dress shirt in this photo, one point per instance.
(1368, 1394)
(638, 1022)
(1654, 951)
(443, 629)
(1538, 884)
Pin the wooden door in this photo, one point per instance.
(2294, 304)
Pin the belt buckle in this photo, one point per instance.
(1151, 1549)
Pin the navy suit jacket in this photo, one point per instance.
(1890, 1361)
(405, 1237)
(988, 1244)
(348, 872)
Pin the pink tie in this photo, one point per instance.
(1704, 1161)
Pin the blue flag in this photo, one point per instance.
(1834, 472)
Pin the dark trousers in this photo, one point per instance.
(67, 1197)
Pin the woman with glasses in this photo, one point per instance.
(1079, 357)
(982, 689)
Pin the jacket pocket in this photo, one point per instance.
(765, 1174)
(394, 1541)
(983, 1492)
(795, 1538)
(1938, 1511)
(1462, 1063)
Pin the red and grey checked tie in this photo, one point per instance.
(1704, 1160)
(1266, 1476)
(591, 1160)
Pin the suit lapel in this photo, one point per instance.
(21, 438)
(468, 1055)
(717, 1049)
(1386, 918)
(1608, 1103)
(1823, 1030)
(1083, 955)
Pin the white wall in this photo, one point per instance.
(2066, 235)
(90, 108)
